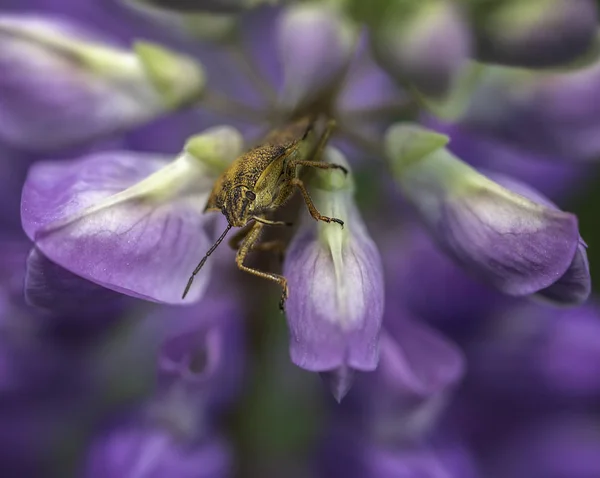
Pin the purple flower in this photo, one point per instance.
(554, 114)
(63, 85)
(555, 177)
(347, 453)
(149, 385)
(426, 47)
(199, 371)
(517, 33)
(128, 221)
(44, 366)
(203, 348)
(429, 285)
(335, 306)
(152, 453)
(563, 446)
(310, 69)
(541, 351)
(512, 237)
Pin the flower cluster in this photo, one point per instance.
(448, 316)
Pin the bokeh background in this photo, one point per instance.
(481, 384)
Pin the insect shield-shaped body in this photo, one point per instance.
(255, 183)
(259, 182)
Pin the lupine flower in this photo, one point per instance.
(118, 230)
(199, 365)
(135, 208)
(428, 47)
(336, 301)
(52, 65)
(549, 113)
(510, 236)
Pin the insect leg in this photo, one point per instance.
(246, 246)
(316, 155)
(239, 236)
(314, 212)
(276, 247)
(317, 164)
(268, 222)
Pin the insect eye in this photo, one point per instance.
(250, 195)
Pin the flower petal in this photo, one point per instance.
(553, 114)
(518, 245)
(340, 381)
(54, 288)
(335, 278)
(142, 451)
(575, 285)
(416, 360)
(62, 85)
(203, 347)
(316, 43)
(516, 33)
(130, 222)
(536, 353)
(426, 47)
(329, 330)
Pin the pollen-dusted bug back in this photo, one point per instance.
(260, 181)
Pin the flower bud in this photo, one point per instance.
(426, 46)
(335, 278)
(130, 222)
(178, 80)
(518, 242)
(316, 44)
(548, 113)
(63, 85)
(534, 33)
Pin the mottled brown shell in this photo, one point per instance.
(259, 168)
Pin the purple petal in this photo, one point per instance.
(140, 451)
(551, 175)
(340, 381)
(552, 114)
(350, 453)
(315, 43)
(519, 250)
(53, 99)
(416, 360)
(41, 372)
(517, 33)
(575, 285)
(518, 245)
(203, 347)
(334, 314)
(537, 351)
(138, 243)
(51, 287)
(427, 49)
(564, 446)
(431, 286)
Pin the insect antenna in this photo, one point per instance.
(203, 261)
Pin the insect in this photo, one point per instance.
(260, 181)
